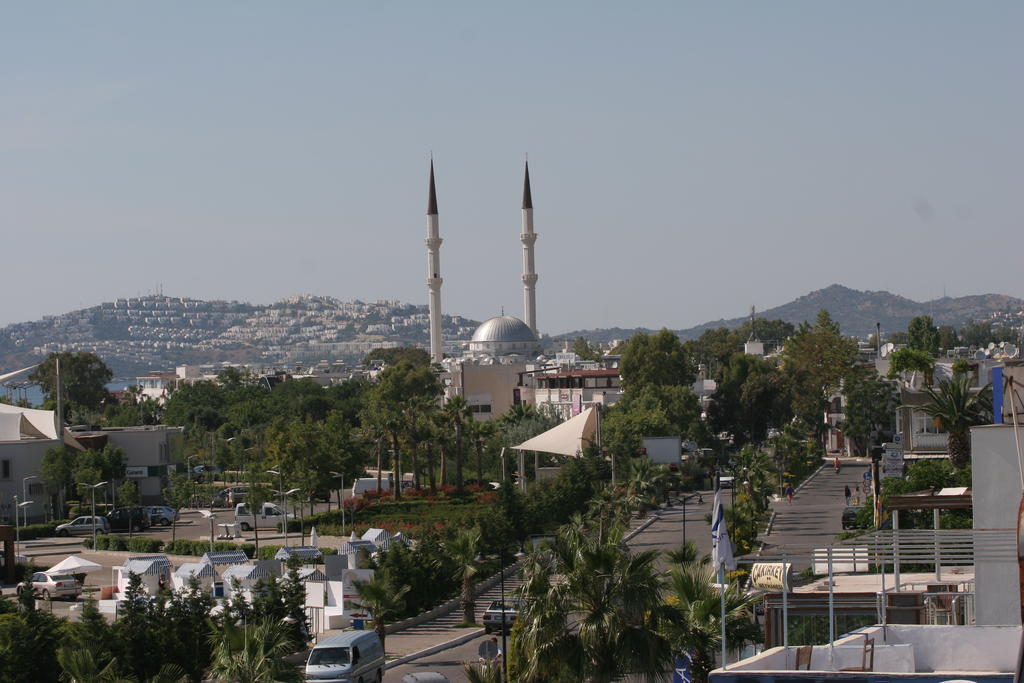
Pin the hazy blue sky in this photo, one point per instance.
(688, 159)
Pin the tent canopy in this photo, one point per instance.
(73, 564)
(568, 438)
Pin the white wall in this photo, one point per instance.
(997, 492)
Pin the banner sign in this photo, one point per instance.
(136, 472)
(892, 460)
(772, 576)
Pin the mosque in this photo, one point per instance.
(502, 339)
(494, 369)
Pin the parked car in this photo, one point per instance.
(850, 517)
(268, 518)
(161, 514)
(56, 586)
(493, 615)
(82, 526)
(726, 482)
(347, 656)
(123, 518)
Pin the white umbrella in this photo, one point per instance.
(313, 540)
(73, 563)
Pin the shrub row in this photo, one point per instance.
(181, 546)
(44, 530)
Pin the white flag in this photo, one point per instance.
(721, 548)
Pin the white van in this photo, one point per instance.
(269, 518)
(361, 486)
(350, 656)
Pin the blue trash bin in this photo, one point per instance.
(358, 623)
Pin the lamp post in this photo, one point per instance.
(504, 625)
(284, 505)
(17, 529)
(24, 491)
(93, 518)
(341, 497)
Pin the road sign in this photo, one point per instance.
(892, 460)
(867, 476)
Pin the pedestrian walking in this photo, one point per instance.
(789, 493)
(488, 650)
(856, 495)
(835, 463)
(846, 492)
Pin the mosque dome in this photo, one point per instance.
(503, 335)
(504, 328)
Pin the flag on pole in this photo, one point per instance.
(721, 547)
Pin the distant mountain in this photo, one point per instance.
(856, 311)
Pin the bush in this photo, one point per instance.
(267, 552)
(184, 546)
(142, 544)
(31, 531)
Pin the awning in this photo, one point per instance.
(73, 564)
(568, 438)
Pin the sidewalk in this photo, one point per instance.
(814, 518)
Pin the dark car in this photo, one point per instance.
(850, 518)
(121, 519)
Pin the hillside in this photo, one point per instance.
(856, 311)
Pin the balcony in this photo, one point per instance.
(928, 442)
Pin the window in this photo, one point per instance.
(924, 424)
(5, 469)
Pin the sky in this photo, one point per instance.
(688, 160)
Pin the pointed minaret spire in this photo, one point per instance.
(432, 197)
(527, 195)
(528, 238)
(434, 279)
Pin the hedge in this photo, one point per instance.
(44, 530)
(185, 546)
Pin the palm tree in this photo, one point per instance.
(484, 672)
(80, 666)
(253, 653)
(480, 432)
(457, 411)
(645, 484)
(600, 619)
(380, 598)
(463, 549)
(695, 625)
(687, 554)
(955, 409)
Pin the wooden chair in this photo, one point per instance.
(867, 662)
(803, 657)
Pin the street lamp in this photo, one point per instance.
(24, 491)
(341, 497)
(93, 518)
(504, 625)
(17, 529)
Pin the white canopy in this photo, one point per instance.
(73, 564)
(26, 422)
(568, 438)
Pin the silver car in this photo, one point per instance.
(161, 514)
(56, 586)
(82, 526)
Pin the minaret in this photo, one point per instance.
(529, 237)
(434, 271)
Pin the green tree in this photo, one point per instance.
(955, 409)
(582, 348)
(815, 359)
(922, 335)
(601, 619)
(752, 397)
(57, 470)
(181, 490)
(655, 360)
(911, 360)
(411, 354)
(128, 494)
(383, 600)
(84, 377)
(695, 625)
(253, 653)
(869, 406)
(463, 548)
(457, 410)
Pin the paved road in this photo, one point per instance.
(665, 533)
(814, 518)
